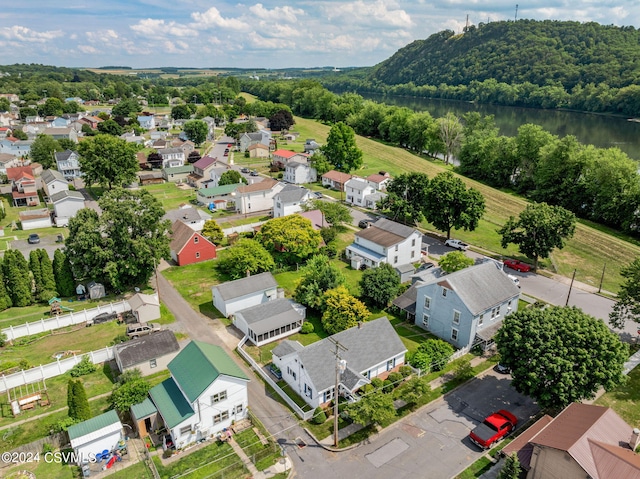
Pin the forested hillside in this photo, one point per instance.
(565, 53)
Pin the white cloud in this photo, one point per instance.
(286, 14)
(88, 49)
(213, 18)
(159, 28)
(369, 13)
(24, 34)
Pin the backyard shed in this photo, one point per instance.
(93, 436)
(96, 290)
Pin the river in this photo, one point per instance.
(603, 131)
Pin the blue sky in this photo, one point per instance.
(268, 34)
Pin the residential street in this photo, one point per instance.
(433, 439)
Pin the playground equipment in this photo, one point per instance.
(28, 396)
(56, 307)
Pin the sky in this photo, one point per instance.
(269, 34)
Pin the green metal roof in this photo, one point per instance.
(171, 403)
(144, 409)
(179, 169)
(92, 425)
(218, 190)
(199, 364)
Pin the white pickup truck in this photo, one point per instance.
(457, 244)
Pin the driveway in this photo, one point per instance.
(48, 243)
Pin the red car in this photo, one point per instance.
(493, 428)
(517, 265)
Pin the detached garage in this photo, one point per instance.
(34, 219)
(96, 435)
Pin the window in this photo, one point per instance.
(454, 334)
(495, 312)
(239, 408)
(221, 396)
(153, 363)
(291, 372)
(391, 364)
(413, 254)
(197, 254)
(218, 418)
(425, 320)
(185, 430)
(427, 302)
(308, 391)
(196, 239)
(395, 259)
(444, 292)
(456, 317)
(396, 247)
(413, 242)
(481, 319)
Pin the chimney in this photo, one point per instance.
(635, 439)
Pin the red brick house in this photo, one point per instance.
(189, 246)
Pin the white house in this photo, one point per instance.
(172, 157)
(356, 189)
(373, 349)
(148, 122)
(379, 181)
(299, 173)
(257, 196)
(149, 354)
(385, 241)
(93, 436)
(243, 293)
(290, 200)
(68, 163)
(194, 218)
(206, 393)
(335, 179)
(66, 205)
(53, 182)
(145, 307)
(270, 321)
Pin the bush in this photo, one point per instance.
(328, 233)
(307, 328)
(387, 386)
(319, 416)
(46, 447)
(330, 250)
(395, 378)
(367, 388)
(63, 424)
(463, 370)
(377, 383)
(405, 371)
(84, 367)
(3, 340)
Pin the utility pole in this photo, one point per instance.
(602, 278)
(516, 17)
(570, 286)
(340, 367)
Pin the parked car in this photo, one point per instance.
(493, 428)
(517, 265)
(254, 173)
(138, 329)
(244, 170)
(317, 194)
(33, 239)
(456, 244)
(502, 369)
(425, 266)
(363, 223)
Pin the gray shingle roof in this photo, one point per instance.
(357, 184)
(265, 317)
(292, 194)
(286, 347)
(480, 287)
(393, 227)
(49, 176)
(186, 215)
(367, 345)
(66, 194)
(407, 300)
(170, 151)
(63, 155)
(244, 286)
(146, 347)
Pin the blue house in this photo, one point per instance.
(465, 308)
(147, 122)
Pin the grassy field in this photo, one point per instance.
(625, 399)
(205, 462)
(588, 251)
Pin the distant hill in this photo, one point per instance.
(539, 52)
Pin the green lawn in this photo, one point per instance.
(625, 399)
(170, 195)
(205, 462)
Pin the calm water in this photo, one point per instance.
(599, 130)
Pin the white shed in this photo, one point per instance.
(96, 435)
(96, 290)
(145, 307)
(33, 219)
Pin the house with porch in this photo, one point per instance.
(385, 241)
(270, 321)
(257, 196)
(172, 157)
(232, 296)
(247, 139)
(281, 158)
(290, 200)
(206, 393)
(189, 246)
(356, 189)
(335, 179)
(373, 349)
(465, 308)
(147, 122)
(299, 173)
(68, 163)
(24, 188)
(149, 354)
(177, 174)
(53, 182)
(379, 181)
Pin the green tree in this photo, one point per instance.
(127, 107)
(318, 276)
(52, 107)
(5, 298)
(17, 278)
(212, 231)
(380, 285)
(130, 389)
(245, 257)
(196, 131)
(454, 261)
(334, 213)
(290, 238)
(5, 104)
(432, 355)
(180, 112)
(65, 284)
(19, 134)
(77, 401)
(108, 161)
(406, 198)
(341, 149)
(560, 355)
(36, 271)
(450, 130)
(627, 306)
(341, 310)
(110, 127)
(231, 177)
(511, 468)
(320, 163)
(43, 150)
(449, 204)
(49, 289)
(374, 408)
(539, 229)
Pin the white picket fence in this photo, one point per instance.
(70, 319)
(242, 228)
(51, 370)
